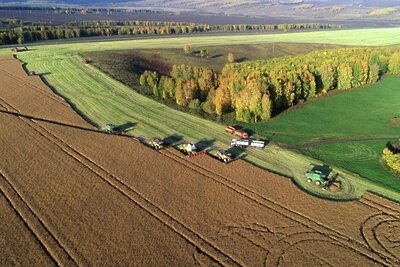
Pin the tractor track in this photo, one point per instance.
(309, 223)
(395, 257)
(36, 226)
(36, 88)
(368, 232)
(161, 215)
(368, 201)
(356, 246)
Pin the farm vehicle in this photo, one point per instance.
(235, 131)
(190, 149)
(322, 176)
(20, 49)
(156, 143)
(224, 156)
(110, 128)
(247, 143)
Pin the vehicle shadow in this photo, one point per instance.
(172, 139)
(126, 127)
(204, 144)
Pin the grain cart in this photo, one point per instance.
(257, 144)
(224, 156)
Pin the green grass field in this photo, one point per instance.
(364, 113)
(104, 100)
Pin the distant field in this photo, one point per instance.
(320, 128)
(102, 99)
(126, 66)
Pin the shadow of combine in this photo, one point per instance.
(172, 140)
(204, 144)
(123, 128)
(236, 152)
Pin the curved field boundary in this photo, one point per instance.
(164, 217)
(48, 241)
(284, 211)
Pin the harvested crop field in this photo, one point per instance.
(71, 195)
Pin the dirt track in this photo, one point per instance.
(79, 197)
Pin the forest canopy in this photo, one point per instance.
(256, 90)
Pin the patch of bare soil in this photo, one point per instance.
(395, 122)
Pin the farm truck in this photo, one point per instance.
(247, 143)
(235, 131)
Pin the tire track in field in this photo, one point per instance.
(164, 217)
(35, 88)
(355, 245)
(370, 202)
(368, 231)
(51, 246)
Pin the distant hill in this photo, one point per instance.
(280, 10)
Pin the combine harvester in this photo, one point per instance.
(190, 150)
(322, 176)
(110, 128)
(157, 143)
(224, 156)
(20, 49)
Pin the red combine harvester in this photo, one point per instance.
(233, 130)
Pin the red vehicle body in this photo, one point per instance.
(231, 129)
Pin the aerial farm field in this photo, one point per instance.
(100, 99)
(78, 196)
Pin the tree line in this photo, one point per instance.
(256, 90)
(31, 33)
